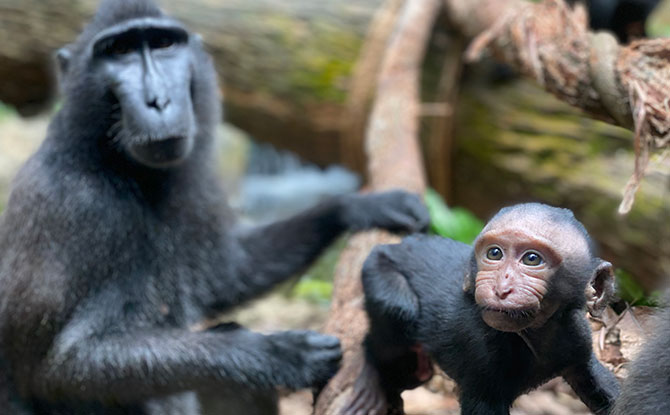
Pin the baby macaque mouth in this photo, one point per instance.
(514, 313)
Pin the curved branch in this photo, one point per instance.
(548, 41)
(394, 161)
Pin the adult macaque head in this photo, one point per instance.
(137, 73)
(532, 259)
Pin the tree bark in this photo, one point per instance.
(286, 65)
(548, 41)
(394, 161)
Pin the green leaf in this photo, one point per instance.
(631, 292)
(313, 290)
(454, 223)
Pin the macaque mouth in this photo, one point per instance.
(424, 364)
(513, 313)
(162, 152)
(508, 319)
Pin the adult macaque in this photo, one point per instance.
(117, 238)
(500, 317)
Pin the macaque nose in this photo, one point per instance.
(504, 287)
(158, 103)
(502, 293)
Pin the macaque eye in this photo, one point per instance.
(165, 38)
(119, 48)
(117, 45)
(532, 259)
(494, 253)
(161, 42)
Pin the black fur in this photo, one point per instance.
(647, 387)
(415, 295)
(106, 261)
(625, 18)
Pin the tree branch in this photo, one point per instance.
(548, 41)
(394, 161)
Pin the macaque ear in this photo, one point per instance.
(468, 285)
(63, 57)
(600, 290)
(197, 38)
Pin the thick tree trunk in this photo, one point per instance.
(286, 64)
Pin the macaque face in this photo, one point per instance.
(517, 257)
(514, 269)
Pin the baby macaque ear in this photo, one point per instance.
(468, 285)
(601, 289)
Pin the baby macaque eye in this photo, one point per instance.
(532, 259)
(494, 253)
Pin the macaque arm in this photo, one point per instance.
(595, 385)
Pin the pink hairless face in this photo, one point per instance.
(516, 259)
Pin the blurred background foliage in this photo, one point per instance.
(658, 24)
(455, 223)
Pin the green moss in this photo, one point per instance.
(314, 58)
(517, 143)
(549, 136)
(324, 63)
